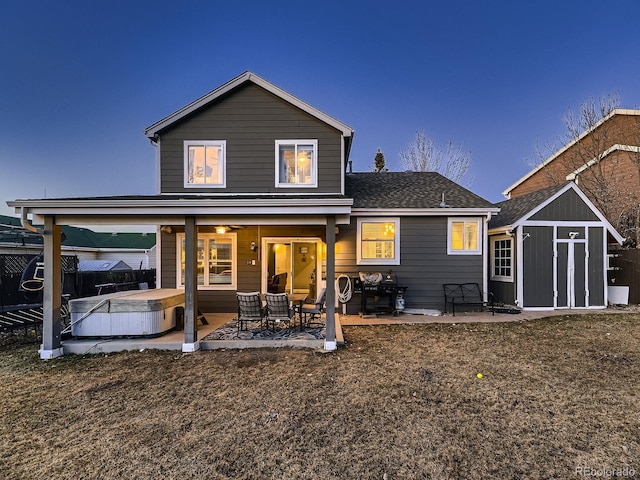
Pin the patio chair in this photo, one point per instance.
(249, 309)
(311, 311)
(279, 310)
(278, 283)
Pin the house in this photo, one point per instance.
(103, 266)
(439, 233)
(253, 182)
(548, 249)
(605, 163)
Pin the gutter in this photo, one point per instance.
(25, 222)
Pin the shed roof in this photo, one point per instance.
(519, 209)
(514, 209)
(410, 190)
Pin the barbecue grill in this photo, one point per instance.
(380, 292)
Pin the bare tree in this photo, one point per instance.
(588, 139)
(422, 155)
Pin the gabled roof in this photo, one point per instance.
(152, 131)
(517, 210)
(614, 148)
(411, 190)
(618, 111)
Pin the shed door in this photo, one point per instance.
(571, 274)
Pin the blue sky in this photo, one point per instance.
(80, 80)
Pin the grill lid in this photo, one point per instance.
(389, 279)
(371, 278)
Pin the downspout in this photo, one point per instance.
(25, 223)
(485, 259)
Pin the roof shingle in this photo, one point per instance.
(515, 208)
(422, 190)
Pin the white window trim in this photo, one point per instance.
(379, 261)
(234, 261)
(451, 251)
(314, 171)
(206, 143)
(492, 255)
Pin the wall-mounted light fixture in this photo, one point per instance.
(253, 246)
(166, 229)
(221, 229)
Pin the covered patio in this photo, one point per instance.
(220, 332)
(191, 216)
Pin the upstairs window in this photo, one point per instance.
(296, 163)
(379, 241)
(464, 236)
(204, 163)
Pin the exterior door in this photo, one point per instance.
(298, 257)
(571, 274)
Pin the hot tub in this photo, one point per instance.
(130, 313)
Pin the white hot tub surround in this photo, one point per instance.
(130, 313)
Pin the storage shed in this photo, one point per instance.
(548, 250)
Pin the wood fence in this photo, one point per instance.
(625, 270)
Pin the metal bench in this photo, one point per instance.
(464, 294)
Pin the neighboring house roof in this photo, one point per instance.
(566, 147)
(102, 265)
(13, 232)
(410, 190)
(153, 130)
(519, 209)
(615, 148)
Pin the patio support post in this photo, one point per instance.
(191, 343)
(52, 293)
(330, 337)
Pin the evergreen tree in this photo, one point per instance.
(379, 162)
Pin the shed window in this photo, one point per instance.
(464, 237)
(205, 163)
(296, 163)
(379, 241)
(502, 259)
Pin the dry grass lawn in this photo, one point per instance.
(396, 402)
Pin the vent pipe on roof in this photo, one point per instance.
(443, 203)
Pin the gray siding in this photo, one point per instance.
(579, 274)
(596, 267)
(425, 265)
(568, 207)
(564, 232)
(561, 275)
(538, 267)
(503, 292)
(248, 279)
(250, 119)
